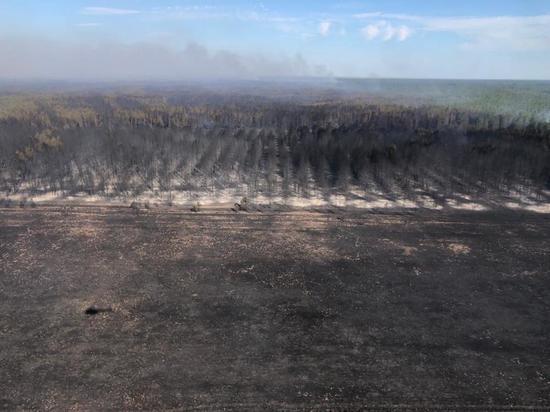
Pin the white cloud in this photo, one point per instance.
(517, 33)
(218, 13)
(304, 28)
(385, 31)
(370, 32)
(498, 32)
(325, 27)
(282, 23)
(403, 33)
(108, 11)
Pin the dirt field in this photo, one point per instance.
(311, 310)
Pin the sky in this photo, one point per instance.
(182, 39)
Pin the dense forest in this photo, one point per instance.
(127, 143)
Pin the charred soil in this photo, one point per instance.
(216, 309)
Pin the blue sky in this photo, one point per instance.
(172, 39)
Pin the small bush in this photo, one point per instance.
(135, 206)
(242, 206)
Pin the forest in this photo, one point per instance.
(296, 142)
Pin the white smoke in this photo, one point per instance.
(38, 58)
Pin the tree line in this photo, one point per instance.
(125, 144)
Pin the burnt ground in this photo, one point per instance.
(215, 310)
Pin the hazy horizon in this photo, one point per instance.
(317, 80)
(164, 40)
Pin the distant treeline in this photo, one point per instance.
(134, 143)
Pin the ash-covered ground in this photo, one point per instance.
(279, 310)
